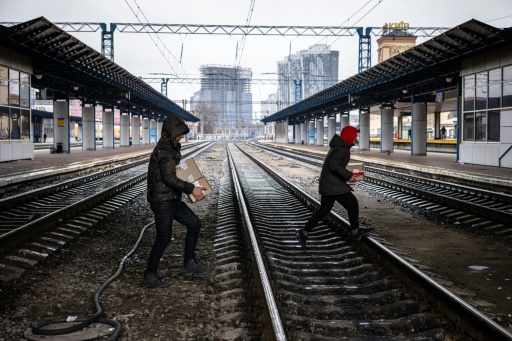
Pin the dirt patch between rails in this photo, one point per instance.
(189, 309)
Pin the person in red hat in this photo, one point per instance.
(333, 186)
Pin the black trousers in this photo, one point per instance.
(165, 212)
(347, 200)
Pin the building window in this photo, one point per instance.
(15, 124)
(484, 95)
(469, 92)
(14, 104)
(469, 126)
(493, 125)
(495, 89)
(5, 131)
(4, 85)
(507, 86)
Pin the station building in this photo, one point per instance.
(466, 70)
(37, 57)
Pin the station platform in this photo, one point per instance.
(438, 163)
(46, 163)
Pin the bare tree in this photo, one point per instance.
(208, 114)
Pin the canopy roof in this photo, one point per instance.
(421, 71)
(66, 63)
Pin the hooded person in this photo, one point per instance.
(164, 191)
(333, 186)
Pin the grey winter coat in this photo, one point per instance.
(162, 182)
(334, 175)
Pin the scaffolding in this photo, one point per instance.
(229, 89)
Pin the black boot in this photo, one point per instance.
(152, 281)
(191, 268)
(301, 237)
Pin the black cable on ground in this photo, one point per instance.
(84, 321)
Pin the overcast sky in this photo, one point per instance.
(138, 53)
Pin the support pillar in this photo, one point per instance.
(135, 130)
(152, 132)
(89, 128)
(159, 126)
(61, 125)
(108, 129)
(319, 131)
(437, 126)
(304, 132)
(145, 130)
(419, 129)
(311, 132)
(331, 128)
(364, 130)
(298, 137)
(386, 130)
(125, 130)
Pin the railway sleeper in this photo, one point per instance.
(434, 334)
(392, 310)
(412, 326)
(361, 289)
(331, 280)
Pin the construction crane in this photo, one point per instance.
(107, 35)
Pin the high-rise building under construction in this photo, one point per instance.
(306, 73)
(228, 88)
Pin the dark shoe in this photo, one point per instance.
(301, 238)
(362, 231)
(191, 268)
(152, 281)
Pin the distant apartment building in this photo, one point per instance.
(228, 88)
(268, 107)
(306, 73)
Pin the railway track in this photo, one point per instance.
(35, 224)
(488, 210)
(338, 288)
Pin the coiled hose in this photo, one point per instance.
(84, 321)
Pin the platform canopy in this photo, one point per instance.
(67, 68)
(422, 71)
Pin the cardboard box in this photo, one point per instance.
(201, 182)
(187, 170)
(356, 169)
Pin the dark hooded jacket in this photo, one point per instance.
(163, 184)
(334, 175)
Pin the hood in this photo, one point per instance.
(336, 141)
(173, 127)
(348, 134)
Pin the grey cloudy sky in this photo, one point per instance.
(138, 54)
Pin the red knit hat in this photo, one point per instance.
(348, 134)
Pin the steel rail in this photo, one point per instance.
(503, 216)
(8, 237)
(465, 204)
(473, 322)
(272, 310)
